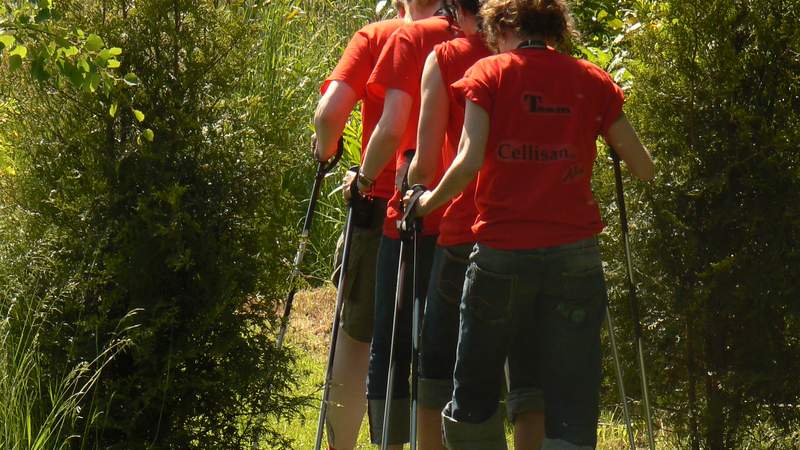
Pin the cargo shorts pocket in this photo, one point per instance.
(450, 284)
(487, 295)
(584, 297)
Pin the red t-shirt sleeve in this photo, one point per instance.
(354, 66)
(477, 86)
(398, 62)
(615, 98)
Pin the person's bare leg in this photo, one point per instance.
(429, 429)
(529, 431)
(348, 398)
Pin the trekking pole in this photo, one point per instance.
(632, 297)
(323, 167)
(398, 304)
(414, 225)
(348, 234)
(620, 382)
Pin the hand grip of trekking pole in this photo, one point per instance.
(326, 166)
(409, 222)
(323, 167)
(361, 205)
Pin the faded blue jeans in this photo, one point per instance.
(543, 310)
(440, 325)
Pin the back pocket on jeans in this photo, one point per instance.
(488, 295)
(584, 297)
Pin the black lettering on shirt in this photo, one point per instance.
(535, 104)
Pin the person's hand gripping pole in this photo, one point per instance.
(323, 168)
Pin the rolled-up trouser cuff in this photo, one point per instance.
(434, 394)
(521, 401)
(487, 435)
(560, 444)
(399, 424)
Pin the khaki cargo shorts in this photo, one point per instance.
(359, 288)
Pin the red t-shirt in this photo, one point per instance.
(354, 68)
(400, 67)
(454, 58)
(546, 111)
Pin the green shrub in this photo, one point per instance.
(716, 98)
(188, 229)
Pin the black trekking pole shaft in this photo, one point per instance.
(322, 170)
(632, 296)
(415, 338)
(398, 304)
(323, 409)
(301, 251)
(415, 225)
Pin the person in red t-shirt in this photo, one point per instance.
(534, 291)
(396, 80)
(346, 86)
(443, 118)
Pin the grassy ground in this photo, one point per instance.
(309, 333)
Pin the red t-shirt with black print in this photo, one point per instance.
(546, 111)
(400, 67)
(354, 68)
(454, 58)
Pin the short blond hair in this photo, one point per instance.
(548, 18)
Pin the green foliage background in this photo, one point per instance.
(154, 169)
(145, 224)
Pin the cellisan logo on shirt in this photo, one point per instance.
(528, 152)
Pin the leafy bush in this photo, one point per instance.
(184, 225)
(717, 99)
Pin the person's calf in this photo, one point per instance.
(429, 431)
(529, 431)
(347, 402)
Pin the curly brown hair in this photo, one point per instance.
(550, 19)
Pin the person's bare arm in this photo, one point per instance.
(331, 116)
(434, 112)
(468, 162)
(388, 133)
(623, 139)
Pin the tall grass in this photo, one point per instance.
(302, 42)
(40, 409)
